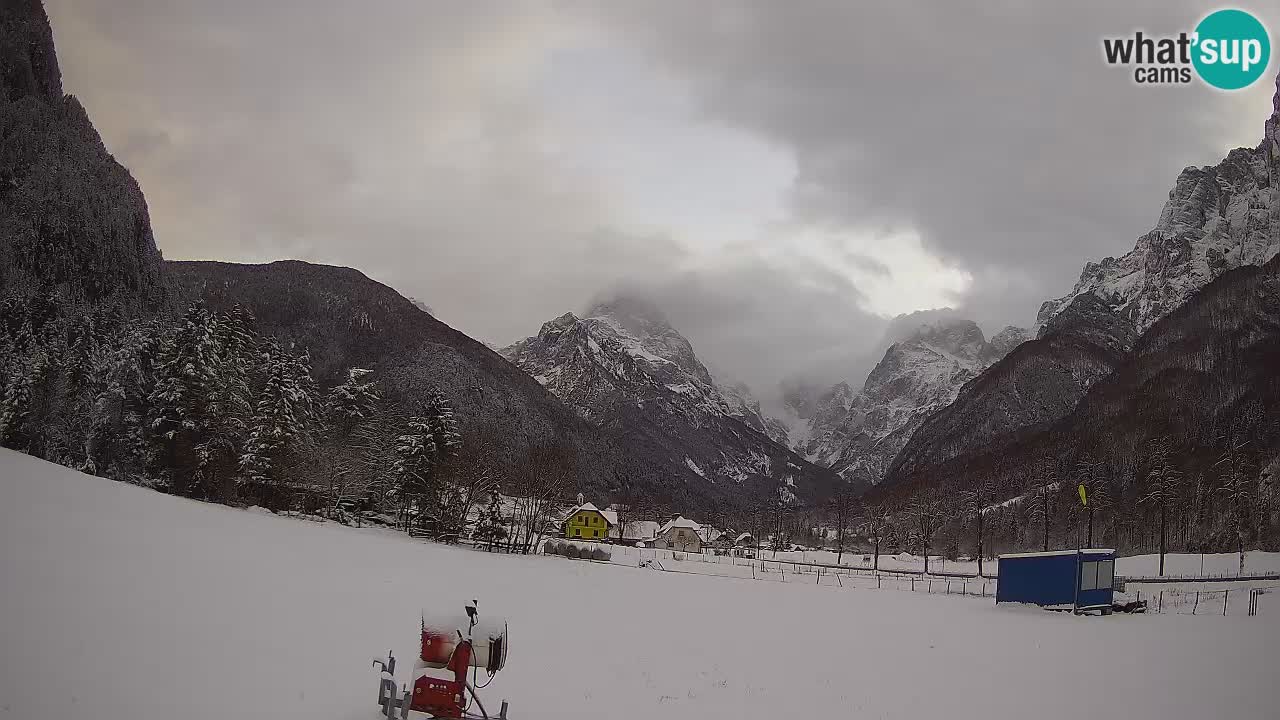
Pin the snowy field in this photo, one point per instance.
(1211, 564)
(118, 603)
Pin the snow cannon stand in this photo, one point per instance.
(451, 645)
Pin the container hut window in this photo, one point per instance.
(1089, 576)
(1105, 570)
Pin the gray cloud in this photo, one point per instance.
(760, 322)
(1001, 137)
(454, 151)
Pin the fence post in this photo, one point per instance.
(1225, 594)
(1193, 607)
(1160, 603)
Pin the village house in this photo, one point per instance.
(587, 522)
(679, 533)
(635, 531)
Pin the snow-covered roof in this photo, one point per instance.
(679, 521)
(1051, 553)
(610, 516)
(637, 530)
(743, 536)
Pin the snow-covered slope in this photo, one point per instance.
(119, 603)
(624, 367)
(932, 355)
(1217, 218)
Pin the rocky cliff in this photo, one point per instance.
(72, 220)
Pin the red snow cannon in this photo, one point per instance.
(450, 646)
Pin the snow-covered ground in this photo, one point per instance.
(118, 603)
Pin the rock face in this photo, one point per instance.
(916, 377)
(743, 405)
(858, 434)
(72, 219)
(1037, 383)
(625, 368)
(1204, 371)
(1216, 219)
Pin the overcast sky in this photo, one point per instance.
(782, 177)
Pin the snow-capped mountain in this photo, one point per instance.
(743, 405)
(858, 433)
(625, 368)
(1216, 219)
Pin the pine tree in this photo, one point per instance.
(444, 426)
(279, 421)
(186, 369)
(351, 402)
(119, 433)
(231, 406)
(415, 460)
(22, 376)
(492, 527)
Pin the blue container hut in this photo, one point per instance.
(1079, 580)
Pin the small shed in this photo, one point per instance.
(1064, 579)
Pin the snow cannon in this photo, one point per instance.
(441, 633)
(450, 645)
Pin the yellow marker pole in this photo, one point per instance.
(1084, 501)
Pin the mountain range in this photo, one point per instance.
(1175, 339)
(624, 367)
(1180, 327)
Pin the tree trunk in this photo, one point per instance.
(876, 565)
(979, 541)
(1089, 542)
(1162, 538)
(1045, 506)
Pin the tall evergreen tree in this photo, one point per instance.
(351, 402)
(186, 372)
(492, 526)
(279, 422)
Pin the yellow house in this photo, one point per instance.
(587, 522)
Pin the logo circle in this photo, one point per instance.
(1232, 49)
